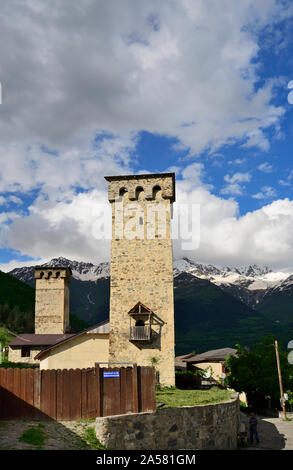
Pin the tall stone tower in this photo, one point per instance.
(52, 300)
(141, 298)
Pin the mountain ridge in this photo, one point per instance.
(250, 283)
(218, 304)
(81, 269)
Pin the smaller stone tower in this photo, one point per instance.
(52, 300)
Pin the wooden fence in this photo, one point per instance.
(76, 393)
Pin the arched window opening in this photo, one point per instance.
(156, 190)
(122, 191)
(138, 192)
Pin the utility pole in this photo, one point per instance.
(280, 380)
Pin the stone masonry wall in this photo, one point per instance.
(141, 271)
(14, 355)
(51, 301)
(198, 428)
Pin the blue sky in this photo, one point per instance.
(100, 89)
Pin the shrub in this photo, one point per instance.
(187, 380)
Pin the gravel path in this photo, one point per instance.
(59, 436)
(274, 434)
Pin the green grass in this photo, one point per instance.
(90, 438)
(15, 365)
(34, 435)
(173, 397)
(5, 336)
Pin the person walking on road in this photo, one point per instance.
(253, 428)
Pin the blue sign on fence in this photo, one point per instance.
(114, 373)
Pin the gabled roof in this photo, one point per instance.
(185, 356)
(30, 339)
(179, 360)
(140, 308)
(100, 328)
(214, 355)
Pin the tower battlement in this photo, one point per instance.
(148, 183)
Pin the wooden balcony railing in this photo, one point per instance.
(140, 333)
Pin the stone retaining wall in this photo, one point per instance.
(200, 427)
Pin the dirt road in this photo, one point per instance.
(58, 436)
(274, 434)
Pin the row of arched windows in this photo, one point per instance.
(139, 190)
(49, 275)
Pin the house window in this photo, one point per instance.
(25, 351)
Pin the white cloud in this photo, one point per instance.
(265, 167)
(6, 267)
(234, 186)
(70, 70)
(265, 193)
(15, 200)
(284, 183)
(8, 217)
(78, 166)
(261, 236)
(288, 180)
(237, 161)
(70, 228)
(238, 178)
(233, 189)
(5, 201)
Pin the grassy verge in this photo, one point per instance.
(34, 435)
(90, 438)
(174, 397)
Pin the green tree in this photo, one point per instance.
(255, 372)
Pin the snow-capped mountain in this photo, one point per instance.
(225, 272)
(219, 304)
(80, 270)
(248, 283)
(253, 277)
(285, 284)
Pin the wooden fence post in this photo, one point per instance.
(37, 389)
(99, 398)
(134, 389)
